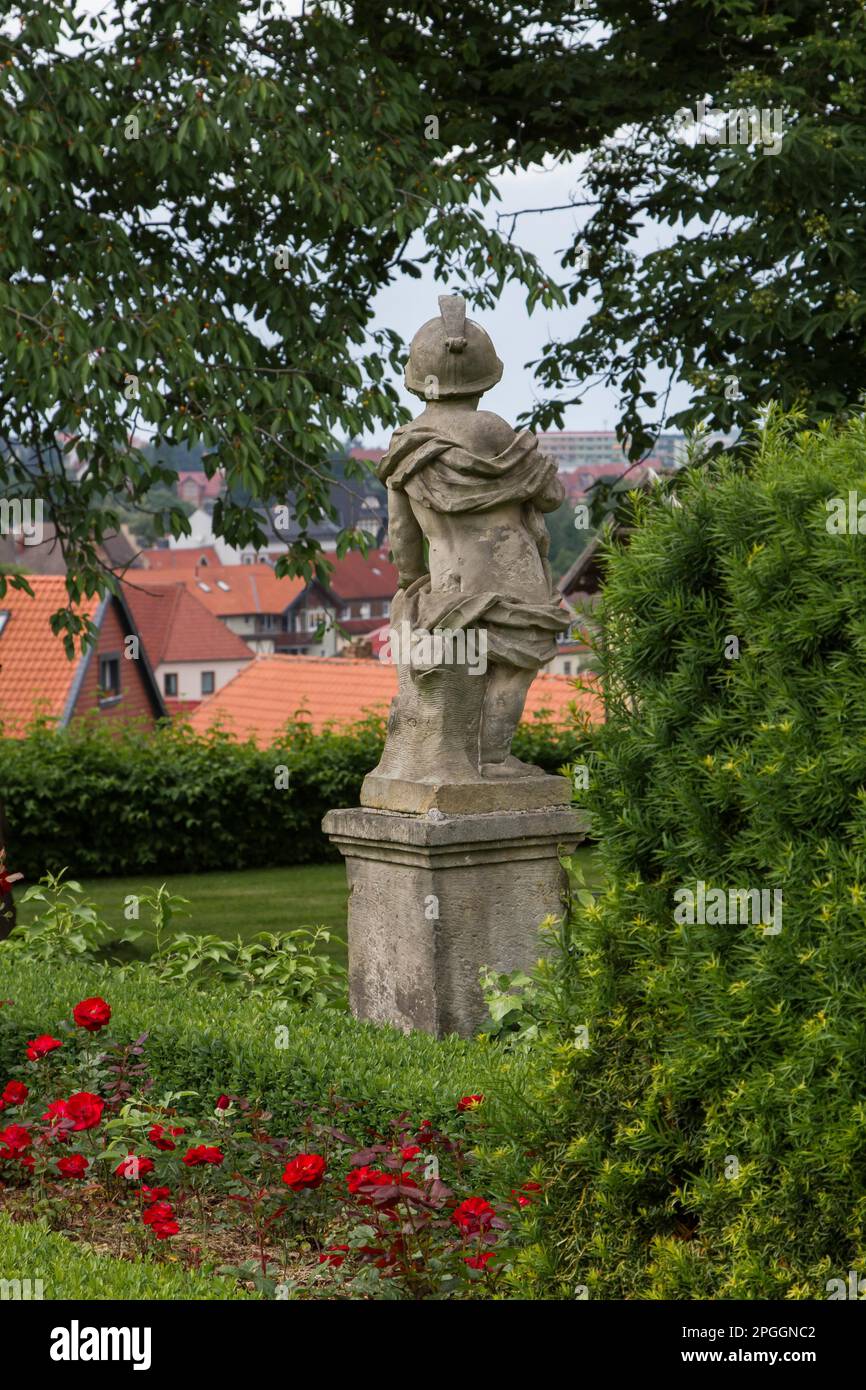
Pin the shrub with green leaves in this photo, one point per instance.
(701, 1108)
(105, 799)
(38, 1263)
(222, 1040)
(288, 965)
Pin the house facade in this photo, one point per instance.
(269, 614)
(191, 653)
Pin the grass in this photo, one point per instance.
(245, 901)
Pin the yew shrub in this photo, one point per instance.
(701, 1116)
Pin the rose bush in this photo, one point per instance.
(302, 1214)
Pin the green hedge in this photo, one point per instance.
(107, 800)
(28, 1250)
(706, 1136)
(222, 1041)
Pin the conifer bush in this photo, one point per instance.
(701, 1114)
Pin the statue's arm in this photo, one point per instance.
(406, 538)
(551, 495)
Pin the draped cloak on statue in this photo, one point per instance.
(440, 474)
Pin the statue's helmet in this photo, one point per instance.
(451, 355)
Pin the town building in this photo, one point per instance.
(268, 613)
(192, 653)
(110, 679)
(590, 449)
(165, 558)
(363, 586)
(198, 488)
(270, 692)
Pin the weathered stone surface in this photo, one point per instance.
(434, 898)
(453, 859)
(416, 798)
(476, 613)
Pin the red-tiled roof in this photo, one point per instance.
(359, 576)
(372, 455)
(179, 707)
(229, 590)
(168, 559)
(35, 673)
(360, 627)
(211, 487)
(174, 626)
(259, 701)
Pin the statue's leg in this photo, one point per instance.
(433, 728)
(504, 699)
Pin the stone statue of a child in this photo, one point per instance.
(466, 495)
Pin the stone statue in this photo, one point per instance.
(476, 613)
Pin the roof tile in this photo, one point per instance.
(175, 626)
(230, 590)
(259, 701)
(35, 672)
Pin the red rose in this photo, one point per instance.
(520, 1197)
(75, 1166)
(158, 1136)
(92, 1014)
(223, 1102)
(477, 1261)
(154, 1194)
(163, 1229)
(473, 1216)
(41, 1046)
(364, 1177)
(133, 1167)
(202, 1153)
(411, 1152)
(306, 1170)
(7, 879)
(55, 1112)
(14, 1093)
(16, 1140)
(157, 1212)
(332, 1255)
(468, 1103)
(85, 1110)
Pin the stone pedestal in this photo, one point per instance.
(434, 897)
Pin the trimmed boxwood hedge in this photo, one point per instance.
(223, 1041)
(28, 1250)
(104, 799)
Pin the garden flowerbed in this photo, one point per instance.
(329, 1198)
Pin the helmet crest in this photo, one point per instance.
(452, 307)
(451, 356)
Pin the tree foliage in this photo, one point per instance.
(199, 204)
(759, 271)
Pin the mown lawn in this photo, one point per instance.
(246, 901)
